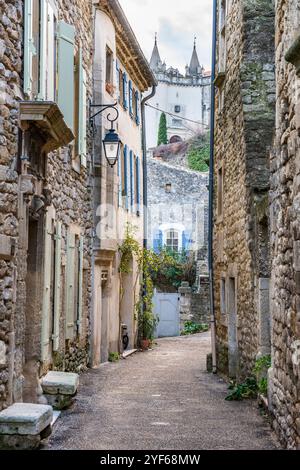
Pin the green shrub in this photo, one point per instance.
(246, 389)
(199, 153)
(191, 328)
(113, 356)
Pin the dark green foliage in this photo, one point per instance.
(190, 328)
(173, 268)
(258, 383)
(162, 130)
(198, 154)
(246, 389)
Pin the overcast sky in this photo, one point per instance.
(176, 22)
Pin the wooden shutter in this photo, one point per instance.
(131, 181)
(80, 286)
(43, 50)
(57, 287)
(82, 112)
(130, 98)
(125, 91)
(138, 189)
(70, 286)
(29, 48)
(137, 111)
(126, 176)
(46, 293)
(65, 93)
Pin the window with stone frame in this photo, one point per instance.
(222, 35)
(172, 240)
(220, 189)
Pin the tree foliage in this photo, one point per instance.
(162, 130)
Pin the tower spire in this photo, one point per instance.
(194, 64)
(155, 61)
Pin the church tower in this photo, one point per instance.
(195, 67)
(184, 97)
(155, 61)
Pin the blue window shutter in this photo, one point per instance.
(158, 241)
(29, 48)
(138, 193)
(65, 96)
(126, 176)
(137, 111)
(186, 240)
(125, 92)
(120, 182)
(130, 98)
(131, 181)
(118, 79)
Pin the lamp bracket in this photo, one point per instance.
(104, 107)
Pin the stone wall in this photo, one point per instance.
(10, 84)
(284, 376)
(243, 133)
(68, 192)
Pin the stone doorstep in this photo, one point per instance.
(128, 353)
(62, 383)
(25, 419)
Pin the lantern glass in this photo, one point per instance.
(111, 144)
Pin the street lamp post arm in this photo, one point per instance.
(104, 107)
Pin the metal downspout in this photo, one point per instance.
(211, 192)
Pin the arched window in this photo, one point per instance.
(172, 240)
(175, 139)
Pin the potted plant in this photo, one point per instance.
(149, 323)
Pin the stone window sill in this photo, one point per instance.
(46, 116)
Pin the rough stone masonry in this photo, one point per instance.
(284, 376)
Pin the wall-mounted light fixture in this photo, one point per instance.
(111, 142)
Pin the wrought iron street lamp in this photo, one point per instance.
(111, 142)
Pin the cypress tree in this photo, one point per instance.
(162, 130)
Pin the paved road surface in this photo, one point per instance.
(161, 400)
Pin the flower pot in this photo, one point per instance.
(145, 344)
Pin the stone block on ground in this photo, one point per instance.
(24, 425)
(60, 388)
(64, 383)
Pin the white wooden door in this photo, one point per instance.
(166, 306)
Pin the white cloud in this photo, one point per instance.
(176, 24)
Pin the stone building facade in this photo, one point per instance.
(121, 75)
(245, 119)
(46, 213)
(178, 219)
(256, 203)
(284, 377)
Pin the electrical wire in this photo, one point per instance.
(177, 115)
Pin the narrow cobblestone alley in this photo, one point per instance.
(163, 400)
